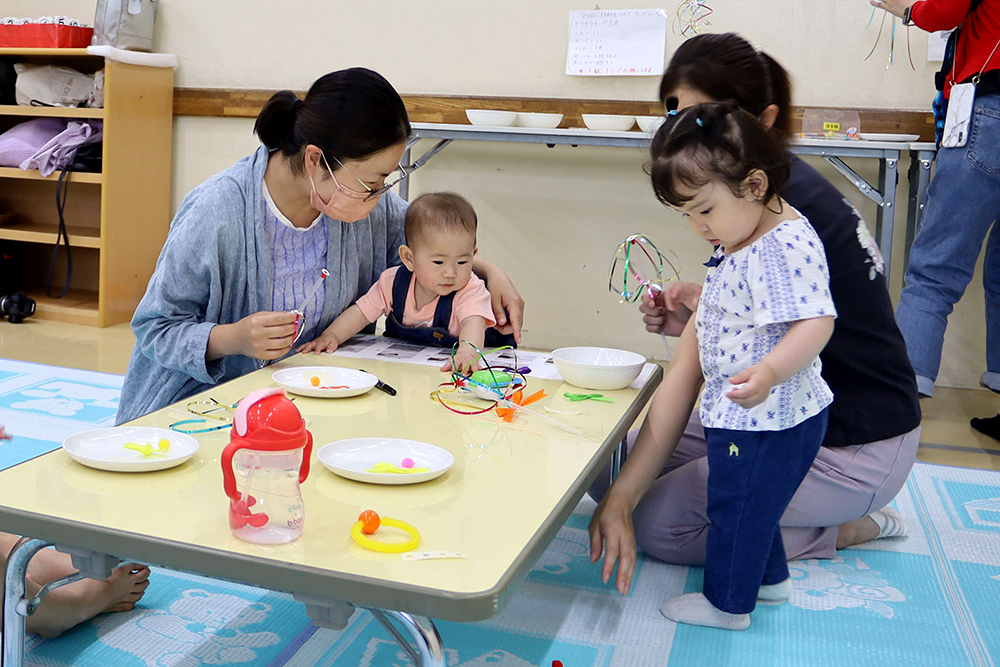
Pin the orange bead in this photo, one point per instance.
(371, 522)
(314, 380)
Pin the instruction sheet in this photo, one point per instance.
(617, 42)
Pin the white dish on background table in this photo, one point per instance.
(893, 138)
(598, 367)
(650, 124)
(608, 122)
(297, 381)
(355, 457)
(104, 448)
(546, 121)
(491, 117)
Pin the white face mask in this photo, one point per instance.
(345, 204)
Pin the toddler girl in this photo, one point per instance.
(764, 316)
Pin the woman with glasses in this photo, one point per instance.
(267, 253)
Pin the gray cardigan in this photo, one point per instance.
(215, 268)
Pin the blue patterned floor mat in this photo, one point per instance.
(927, 599)
(43, 405)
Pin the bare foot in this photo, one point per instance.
(856, 532)
(70, 605)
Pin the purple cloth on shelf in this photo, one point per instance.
(25, 139)
(60, 151)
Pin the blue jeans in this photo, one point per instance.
(963, 202)
(752, 476)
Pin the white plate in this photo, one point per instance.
(904, 138)
(104, 448)
(353, 458)
(295, 381)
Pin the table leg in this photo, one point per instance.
(888, 176)
(617, 457)
(920, 178)
(14, 602)
(427, 649)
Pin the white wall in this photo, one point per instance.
(515, 48)
(551, 217)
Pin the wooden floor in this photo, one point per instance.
(947, 437)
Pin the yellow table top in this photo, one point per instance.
(511, 488)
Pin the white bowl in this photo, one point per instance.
(608, 123)
(491, 117)
(598, 367)
(650, 124)
(354, 458)
(543, 120)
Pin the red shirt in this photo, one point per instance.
(979, 36)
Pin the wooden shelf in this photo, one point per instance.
(80, 237)
(50, 112)
(28, 53)
(77, 307)
(33, 175)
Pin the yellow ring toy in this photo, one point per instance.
(357, 532)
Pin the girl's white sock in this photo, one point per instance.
(889, 523)
(777, 592)
(695, 609)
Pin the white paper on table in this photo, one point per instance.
(618, 42)
(936, 43)
(380, 348)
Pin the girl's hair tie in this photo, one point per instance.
(699, 121)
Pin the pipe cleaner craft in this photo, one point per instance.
(640, 268)
(892, 39)
(691, 18)
(501, 389)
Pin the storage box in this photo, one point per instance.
(45, 36)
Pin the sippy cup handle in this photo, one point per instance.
(228, 475)
(306, 455)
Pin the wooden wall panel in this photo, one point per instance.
(451, 109)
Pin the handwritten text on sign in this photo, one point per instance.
(620, 42)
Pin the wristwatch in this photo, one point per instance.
(906, 16)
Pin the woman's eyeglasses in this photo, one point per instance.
(391, 181)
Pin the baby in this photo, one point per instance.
(434, 298)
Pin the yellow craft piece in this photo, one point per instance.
(387, 547)
(388, 468)
(147, 450)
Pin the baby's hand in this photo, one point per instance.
(327, 342)
(464, 358)
(3, 433)
(757, 382)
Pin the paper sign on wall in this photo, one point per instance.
(936, 42)
(619, 42)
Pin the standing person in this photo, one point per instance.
(963, 200)
(761, 322)
(874, 420)
(247, 246)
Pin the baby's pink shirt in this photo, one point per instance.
(472, 300)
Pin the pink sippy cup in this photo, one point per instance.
(266, 460)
